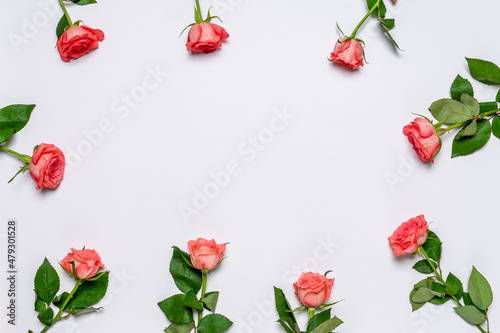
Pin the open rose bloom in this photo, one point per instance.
(47, 166)
(348, 53)
(205, 254)
(78, 41)
(409, 236)
(422, 135)
(206, 37)
(313, 289)
(86, 263)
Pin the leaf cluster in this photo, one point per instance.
(47, 284)
(322, 322)
(435, 290)
(387, 24)
(465, 112)
(179, 308)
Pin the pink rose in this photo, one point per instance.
(422, 135)
(409, 236)
(206, 37)
(313, 289)
(47, 166)
(205, 254)
(348, 53)
(77, 41)
(86, 263)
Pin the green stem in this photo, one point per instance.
(375, 6)
(24, 158)
(198, 9)
(66, 13)
(58, 316)
(310, 312)
(479, 116)
(203, 288)
(440, 277)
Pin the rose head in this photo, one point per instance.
(409, 236)
(348, 53)
(313, 289)
(206, 37)
(86, 263)
(205, 254)
(47, 166)
(422, 135)
(78, 41)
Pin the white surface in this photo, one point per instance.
(320, 180)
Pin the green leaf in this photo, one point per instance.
(46, 282)
(89, 293)
(495, 127)
(388, 24)
(78, 312)
(214, 323)
(437, 287)
(175, 310)
(450, 111)
(423, 295)
(440, 299)
(284, 310)
(471, 314)
(484, 71)
(191, 301)
(179, 328)
(40, 305)
(414, 305)
(453, 284)
(423, 266)
(388, 28)
(46, 316)
(470, 129)
(318, 319)
(467, 145)
(186, 278)
(210, 300)
(13, 118)
(471, 103)
(487, 106)
(432, 246)
(84, 2)
(328, 325)
(480, 290)
(380, 11)
(59, 300)
(460, 86)
(61, 26)
(286, 327)
(497, 99)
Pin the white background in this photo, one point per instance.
(321, 180)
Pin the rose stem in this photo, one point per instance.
(66, 13)
(440, 277)
(375, 6)
(479, 116)
(22, 157)
(203, 287)
(310, 311)
(198, 8)
(58, 316)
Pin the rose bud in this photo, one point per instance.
(47, 166)
(409, 236)
(422, 135)
(78, 41)
(348, 53)
(206, 37)
(313, 289)
(82, 264)
(205, 254)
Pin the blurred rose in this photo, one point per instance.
(77, 41)
(409, 236)
(86, 263)
(348, 53)
(206, 37)
(422, 135)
